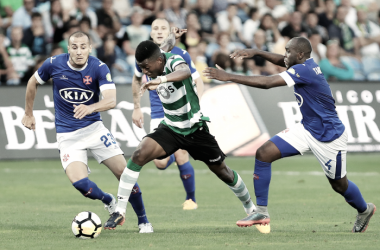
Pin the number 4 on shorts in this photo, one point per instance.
(327, 164)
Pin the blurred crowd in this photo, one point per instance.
(345, 35)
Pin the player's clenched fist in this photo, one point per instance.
(218, 74)
(243, 53)
(29, 122)
(82, 110)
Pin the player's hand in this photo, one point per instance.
(29, 122)
(243, 53)
(138, 117)
(218, 74)
(178, 32)
(151, 85)
(82, 110)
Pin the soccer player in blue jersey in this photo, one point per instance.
(320, 131)
(160, 32)
(78, 79)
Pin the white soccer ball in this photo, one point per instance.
(86, 225)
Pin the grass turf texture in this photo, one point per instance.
(38, 204)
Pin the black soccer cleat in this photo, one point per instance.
(115, 219)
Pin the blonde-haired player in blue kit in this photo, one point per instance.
(78, 80)
(320, 131)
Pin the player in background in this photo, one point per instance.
(78, 80)
(184, 126)
(320, 131)
(160, 32)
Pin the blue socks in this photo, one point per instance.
(261, 181)
(171, 160)
(90, 190)
(138, 205)
(186, 172)
(354, 197)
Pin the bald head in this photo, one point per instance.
(297, 50)
(301, 44)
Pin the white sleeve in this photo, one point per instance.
(39, 80)
(107, 86)
(195, 75)
(289, 81)
(138, 73)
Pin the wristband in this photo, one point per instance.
(163, 79)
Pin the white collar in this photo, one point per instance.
(76, 69)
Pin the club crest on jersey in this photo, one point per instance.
(292, 71)
(162, 91)
(299, 99)
(108, 76)
(76, 95)
(87, 80)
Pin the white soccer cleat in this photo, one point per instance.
(145, 228)
(112, 206)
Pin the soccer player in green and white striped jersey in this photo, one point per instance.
(183, 127)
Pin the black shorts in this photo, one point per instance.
(201, 145)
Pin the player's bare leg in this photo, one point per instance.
(235, 183)
(77, 173)
(265, 155)
(147, 150)
(116, 164)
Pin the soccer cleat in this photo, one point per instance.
(145, 228)
(115, 219)
(253, 219)
(112, 206)
(189, 205)
(362, 219)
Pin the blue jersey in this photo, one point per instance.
(73, 86)
(315, 100)
(157, 111)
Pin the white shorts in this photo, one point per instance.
(331, 155)
(154, 123)
(96, 137)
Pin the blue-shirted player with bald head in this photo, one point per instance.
(320, 131)
(160, 32)
(78, 80)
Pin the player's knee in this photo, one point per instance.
(181, 157)
(339, 187)
(139, 157)
(262, 154)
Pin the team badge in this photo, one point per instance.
(66, 157)
(87, 80)
(162, 91)
(108, 76)
(292, 71)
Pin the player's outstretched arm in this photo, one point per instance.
(261, 82)
(137, 115)
(108, 102)
(31, 90)
(249, 53)
(169, 42)
(181, 72)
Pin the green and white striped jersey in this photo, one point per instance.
(179, 100)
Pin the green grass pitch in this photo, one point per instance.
(38, 203)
